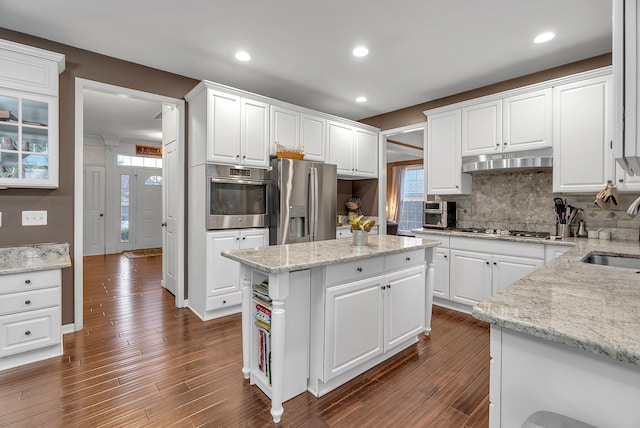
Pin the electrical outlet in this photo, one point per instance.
(34, 218)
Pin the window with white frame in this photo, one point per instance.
(411, 198)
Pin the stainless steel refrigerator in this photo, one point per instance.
(302, 201)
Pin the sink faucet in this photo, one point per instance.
(633, 208)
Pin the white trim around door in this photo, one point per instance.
(80, 86)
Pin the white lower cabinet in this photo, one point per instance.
(353, 335)
(367, 311)
(219, 294)
(441, 278)
(394, 313)
(30, 317)
(470, 270)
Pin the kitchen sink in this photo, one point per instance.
(610, 259)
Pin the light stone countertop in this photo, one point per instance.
(591, 307)
(291, 257)
(496, 237)
(34, 257)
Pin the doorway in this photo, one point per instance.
(172, 110)
(404, 146)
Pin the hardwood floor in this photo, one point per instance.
(140, 361)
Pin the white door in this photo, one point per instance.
(470, 276)
(509, 269)
(94, 209)
(441, 277)
(223, 274)
(340, 147)
(285, 127)
(353, 325)
(404, 306)
(148, 231)
(527, 121)
(223, 127)
(366, 153)
(482, 128)
(254, 133)
(170, 194)
(254, 238)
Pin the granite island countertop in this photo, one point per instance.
(291, 257)
(592, 307)
(34, 257)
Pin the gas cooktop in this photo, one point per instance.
(505, 232)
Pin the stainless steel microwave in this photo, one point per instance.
(236, 197)
(439, 215)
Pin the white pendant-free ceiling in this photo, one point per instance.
(301, 51)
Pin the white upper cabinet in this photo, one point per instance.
(340, 146)
(230, 126)
(313, 137)
(582, 135)
(527, 121)
(444, 163)
(254, 133)
(482, 128)
(28, 116)
(626, 50)
(223, 130)
(237, 129)
(518, 122)
(285, 127)
(353, 149)
(366, 153)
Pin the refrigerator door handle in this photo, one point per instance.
(313, 215)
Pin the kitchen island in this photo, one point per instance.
(566, 339)
(315, 315)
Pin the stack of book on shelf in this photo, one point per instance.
(262, 316)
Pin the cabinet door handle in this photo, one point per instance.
(383, 287)
(620, 180)
(505, 143)
(445, 257)
(389, 286)
(244, 237)
(27, 302)
(495, 263)
(27, 281)
(487, 262)
(359, 269)
(408, 259)
(27, 333)
(497, 144)
(224, 302)
(244, 157)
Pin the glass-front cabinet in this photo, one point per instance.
(28, 116)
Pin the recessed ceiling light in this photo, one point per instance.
(544, 38)
(360, 51)
(361, 99)
(242, 56)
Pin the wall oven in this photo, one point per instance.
(439, 215)
(236, 197)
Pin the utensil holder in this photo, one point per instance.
(360, 238)
(564, 230)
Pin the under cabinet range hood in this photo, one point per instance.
(509, 161)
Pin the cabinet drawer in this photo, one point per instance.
(403, 260)
(346, 272)
(29, 330)
(30, 280)
(29, 300)
(223, 301)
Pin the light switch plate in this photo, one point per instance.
(34, 218)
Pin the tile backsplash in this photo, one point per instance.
(524, 201)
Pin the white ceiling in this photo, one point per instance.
(420, 50)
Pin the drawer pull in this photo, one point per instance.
(224, 302)
(408, 259)
(27, 281)
(27, 333)
(359, 269)
(27, 302)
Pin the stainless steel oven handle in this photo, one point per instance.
(227, 181)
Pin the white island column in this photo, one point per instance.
(278, 291)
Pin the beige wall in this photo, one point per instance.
(59, 202)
